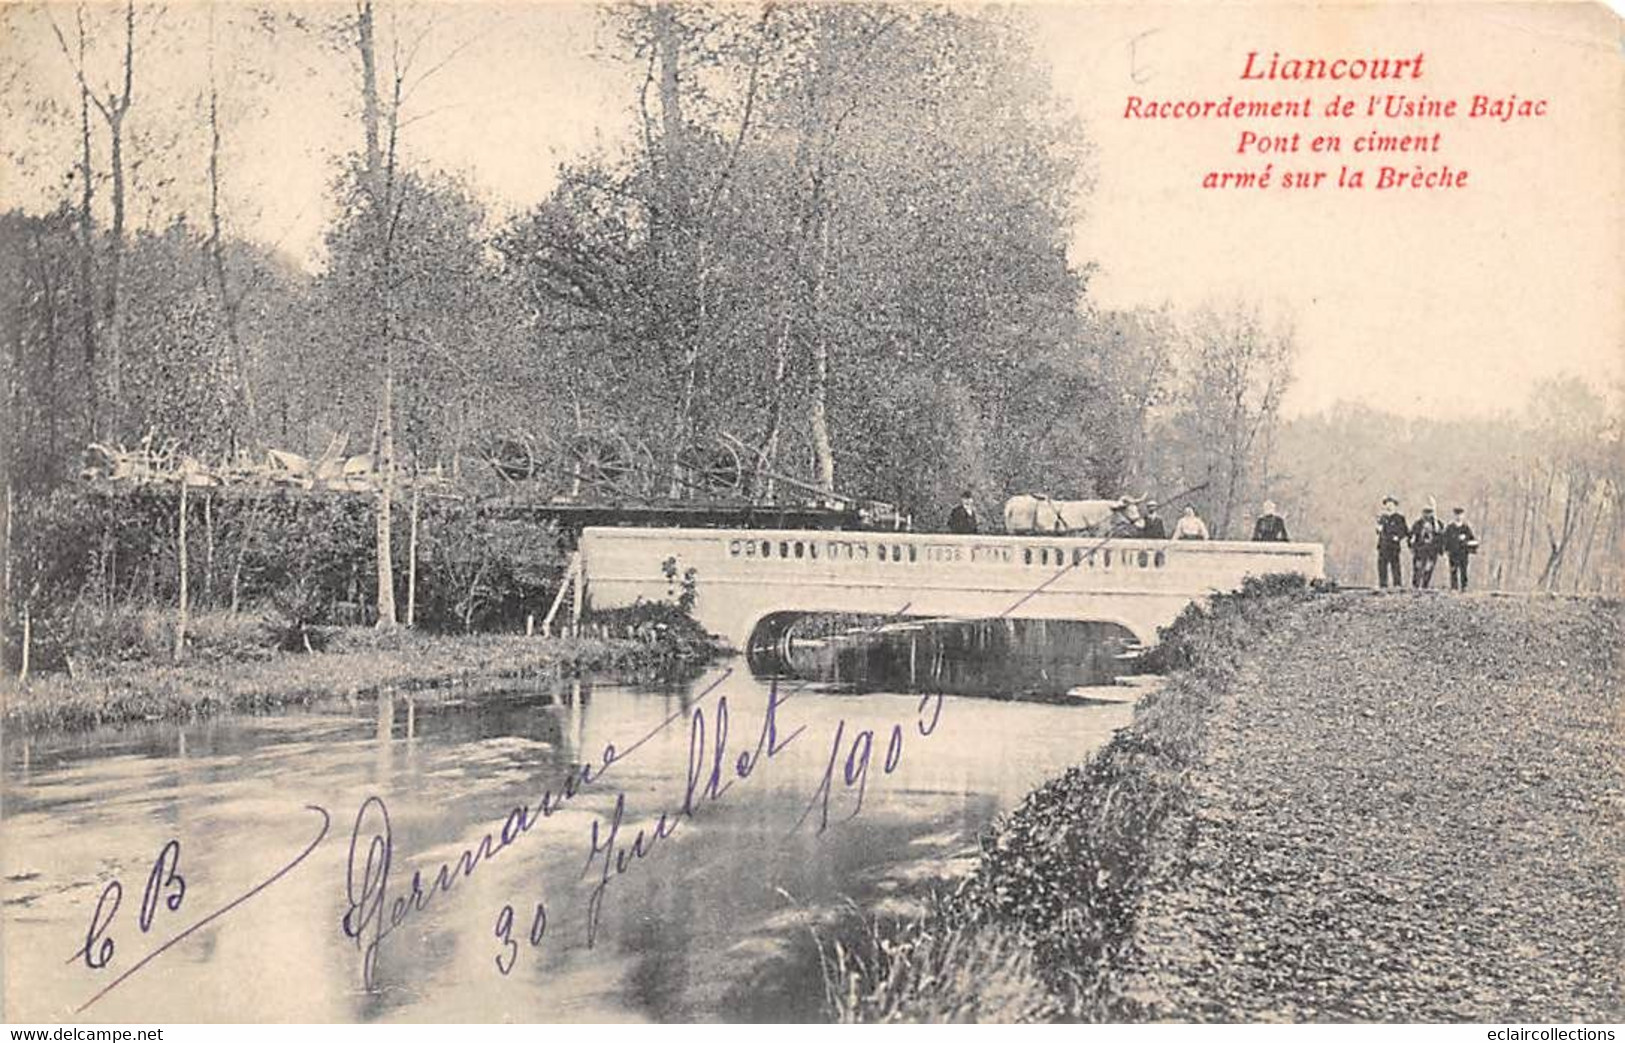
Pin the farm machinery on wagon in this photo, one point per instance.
(597, 470)
(604, 465)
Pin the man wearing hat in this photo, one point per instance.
(1125, 519)
(1392, 532)
(1459, 542)
(1270, 527)
(1151, 526)
(1427, 540)
(962, 519)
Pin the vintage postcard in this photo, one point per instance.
(812, 513)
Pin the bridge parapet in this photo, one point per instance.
(744, 575)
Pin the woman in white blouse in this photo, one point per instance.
(1189, 526)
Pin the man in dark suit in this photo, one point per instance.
(1427, 540)
(1392, 533)
(1270, 527)
(962, 519)
(1459, 543)
(1151, 526)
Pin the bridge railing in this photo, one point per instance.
(780, 547)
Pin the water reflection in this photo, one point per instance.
(999, 658)
(714, 926)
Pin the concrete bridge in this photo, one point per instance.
(743, 576)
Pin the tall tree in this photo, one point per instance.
(228, 301)
(87, 236)
(1233, 370)
(376, 175)
(114, 110)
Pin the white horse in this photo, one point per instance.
(1027, 513)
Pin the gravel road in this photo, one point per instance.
(1408, 809)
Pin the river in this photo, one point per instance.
(719, 919)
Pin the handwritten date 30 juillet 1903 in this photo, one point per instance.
(615, 846)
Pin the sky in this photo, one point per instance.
(1431, 303)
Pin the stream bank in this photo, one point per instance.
(242, 666)
(1340, 807)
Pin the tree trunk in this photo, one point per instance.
(819, 212)
(1516, 516)
(11, 518)
(767, 455)
(1585, 553)
(181, 614)
(53, 400)
(369, 99)
(217, 258)
(208, 549)
(115, 112)
(87, 252)
(817, 406)
(794, 249)
(412, 556)
(109, 566)
(668, 223)
(249, 521)
(378, 209)
(386, 500)
(1558, 538)
(671, 108)
(1237, 450)
(28, 645)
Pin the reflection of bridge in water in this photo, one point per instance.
(998, 658)
(747, 576)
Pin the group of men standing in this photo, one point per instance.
(1428, 539)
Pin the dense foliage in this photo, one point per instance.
(94, 563)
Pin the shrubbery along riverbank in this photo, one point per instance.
(242, 663)
(1341, 807)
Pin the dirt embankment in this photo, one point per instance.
(1363, 807)
(1408, 808)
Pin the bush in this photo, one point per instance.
(85, 635)
(295, 621)
(98, 566)
(1200, 627)
(478, 569)
(657, 623)
(937, 968)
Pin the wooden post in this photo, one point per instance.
(208, 549)
(28, 644)
(109, 563)
(249, 522)
(580, 596)
(5, 595)
(570, 576)
(180, 621)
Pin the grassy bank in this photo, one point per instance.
(240, 666)
(1346, 807)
